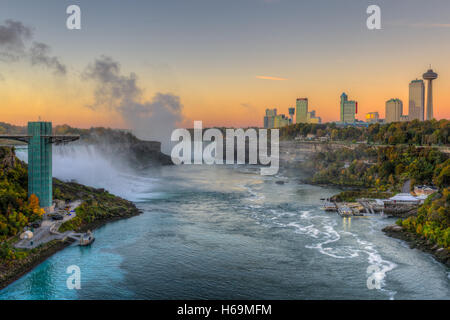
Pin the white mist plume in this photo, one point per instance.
(87, 165)
(14, 38)
(149, 120)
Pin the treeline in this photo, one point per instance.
(16, 211)
(432, 220)
(93, 134)
(96, 134)
(382, 168)
(415, 132)
(331, 130)
(6, 128)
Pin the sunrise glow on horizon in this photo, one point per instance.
(228, 68)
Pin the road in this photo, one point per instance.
(406, 187)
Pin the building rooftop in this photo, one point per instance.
(404, 197)
(394, 100)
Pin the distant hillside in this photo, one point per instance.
(121, 145)
(6, 128)
(113, 143)
(413, 132)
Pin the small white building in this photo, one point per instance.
(26, 235)
(404, 198)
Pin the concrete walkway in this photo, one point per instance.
(48, 230)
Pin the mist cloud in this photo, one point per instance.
(14, 40)
(149, 120)
(39, 55)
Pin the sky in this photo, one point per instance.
(219, 61)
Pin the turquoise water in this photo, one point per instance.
(229, 233)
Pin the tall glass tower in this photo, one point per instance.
(40, 162)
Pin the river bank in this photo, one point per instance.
(99, 208)
(18, 268)
(414, 241)
(14, 270)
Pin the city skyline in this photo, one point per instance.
(224, 74)
(393, 107)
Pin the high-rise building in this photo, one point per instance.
(416, 100)
(291, 115)
(430, 76)
(394, 110)
(349, 109)
(372, 117)
(280, 120)
(269, 118)
(311, 117)
(404, 118)
(302, 110)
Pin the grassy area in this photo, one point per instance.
(98, 205)
(17, 211)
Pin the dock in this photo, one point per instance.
(349, 210)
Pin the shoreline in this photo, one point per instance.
(440, 254)
(21, 267)
(415, 242)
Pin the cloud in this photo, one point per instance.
(14, 37)
(113, 89)
(271, 78)
(39, 55)
(154, 119)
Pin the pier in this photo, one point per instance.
(349, 209)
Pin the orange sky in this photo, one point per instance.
(228, 69)
(29, 94)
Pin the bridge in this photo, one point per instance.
(40, 140)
